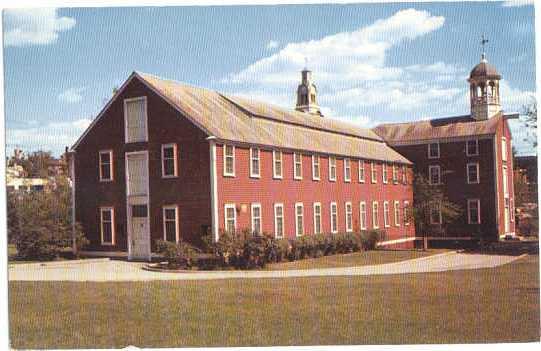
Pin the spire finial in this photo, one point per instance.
(484, 41)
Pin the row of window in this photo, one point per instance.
(277, 167)
(230, 214)
(472, 174)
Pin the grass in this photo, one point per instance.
(363, 258)
(489, 305)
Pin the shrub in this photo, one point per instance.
(369, 239)
(178, 255)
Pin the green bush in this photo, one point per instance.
(178, 255)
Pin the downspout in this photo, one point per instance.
(213, 188)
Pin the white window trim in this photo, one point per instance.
(361, 168)
(297, 205)
(227, 174)
(175, 161)
(331, 179)
(428, 150)
(314, 158)
(226, 207)
(439, 213)
(144, 98)
(318, 204)
(375, 218)
(334, 222)
(113, 232)
(349, 228)
(279, 205)
(476, 148)
(275, 175)
(384, 173)
(177, 231)
(475, 181)
(396, 210)
(252, 158)
(406, 213)
(504, 149)
(362, 219)
(373, 173)
(347, 166)
(478, 211)
(252, 207)
(111, 163)
(295, 175)
(386, 214)
(430, 168)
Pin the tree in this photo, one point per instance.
(530, 121)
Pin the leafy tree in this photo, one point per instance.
(530, 121)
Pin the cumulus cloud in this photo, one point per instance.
(273, 44)
(71, 95)
(25, 27)
(517, 3)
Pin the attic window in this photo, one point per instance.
(135, 119)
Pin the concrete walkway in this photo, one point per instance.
(108, 271)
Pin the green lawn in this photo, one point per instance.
(363, 258)
(489, 305)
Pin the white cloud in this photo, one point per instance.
(71, 95)
(273, 44)
(25, 27)
(517, 3)
(53, 136)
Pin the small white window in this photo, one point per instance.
(384, 172)
(407, 213)
(504, 149)
(256, 219)
(277, 164)
(315, 168)
(332, 168)
(135, 120)
(361, 171)
(474, 211)
(299, 219)
(362, 215)
(255, 163)
(229, 160)
(434, 175)
(435, 213)
(230, 213)
(373, 172)
(169, 161)
(107, 225)
(397, 214)
(334, 218)
(404, 174)
(347, 170)
(395, 174)
(279, 220)
(349, 217)
(106, 165)
(472, 170)
(170, 223)
(297, 165)
(472, 147)
(375, 218)
(317, 218)
(434, 150)
(386, 220)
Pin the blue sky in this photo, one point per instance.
(372, 63)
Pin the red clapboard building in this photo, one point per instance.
(165, 160)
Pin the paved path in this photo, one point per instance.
(106, 270)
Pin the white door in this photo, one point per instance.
(140, 234)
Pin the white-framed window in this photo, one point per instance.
(386, 219)
(474, 211)
(255, 162)
(277, 164)
(106, 165)
(404, 174)
(169, 161)
(229, 160)
(361, 171)
(472, 170)
(107, 225)
(504, 182)
(434, 150)
(170, 223)
(297, 165)
(299, 219)
(349, 217)
(362, 215)
(434, 175)
(504, 149)
(407, 214)
(397, 213)
(472, 147)
(316, 175)
(435, 213)
(230, 213)
(317, 218)
(375, 215)
(373, 172)
(395, 174)
(279, 220)
(135, 119)
(332, 168)
(334, 217)
(347, 170)
(256, 218)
